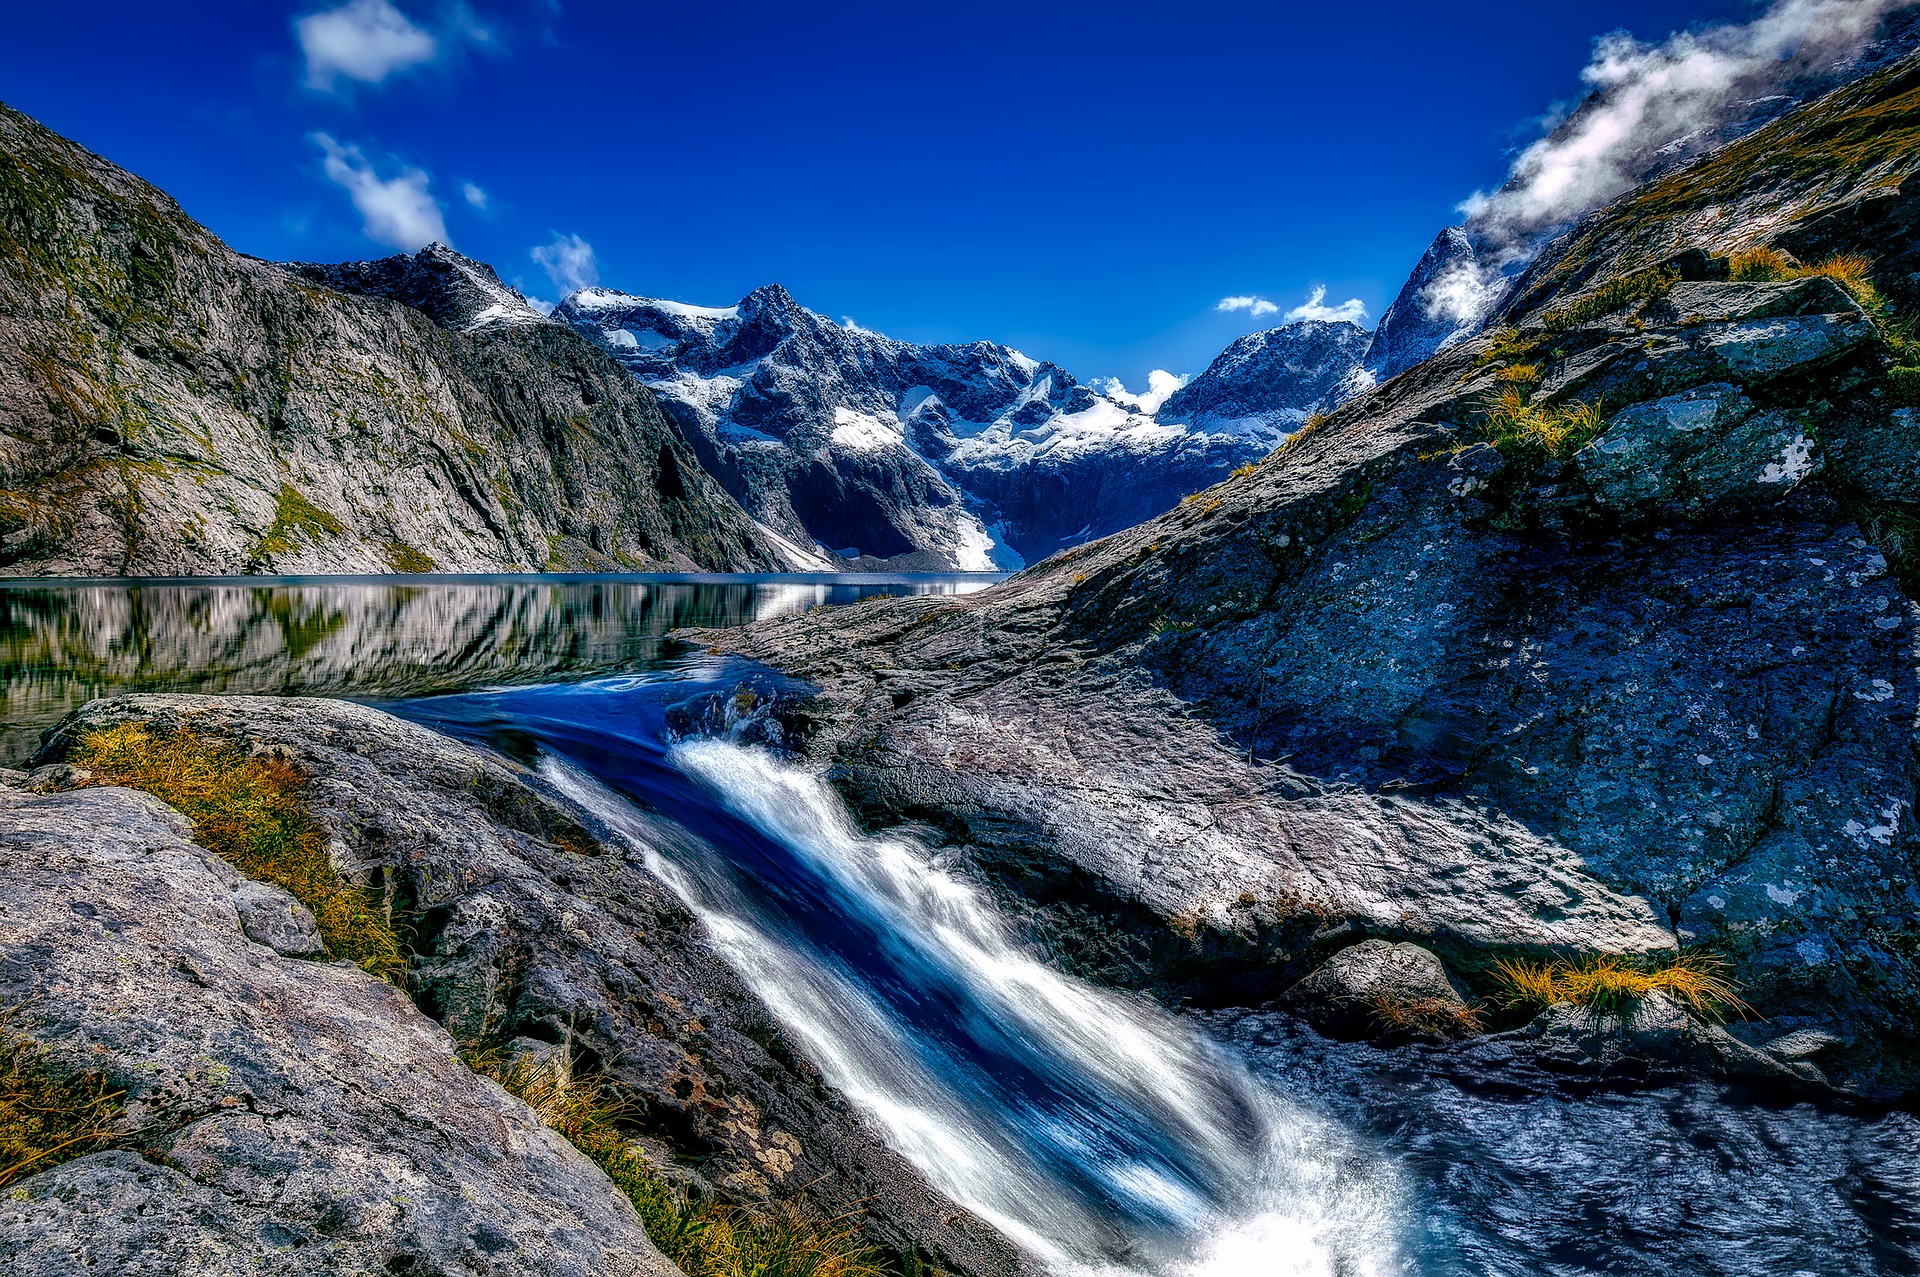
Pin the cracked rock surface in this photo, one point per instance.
(292, 1117)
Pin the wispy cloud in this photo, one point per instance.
(399, 210)
(1351, 311)
(474, 195)
(569, 263)
(365, 40)
(1255, 306)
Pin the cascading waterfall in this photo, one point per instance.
(1097, 1131)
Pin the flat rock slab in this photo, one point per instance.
(294, 1117)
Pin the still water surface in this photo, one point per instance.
(1105, 1134)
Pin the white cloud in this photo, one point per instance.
(569, 263)
(398, 211)
(1460, 294)
(474, 195)
(365, 40)
(1255, 306)
(1350, 311)
(1649, 99)
(1160, 384)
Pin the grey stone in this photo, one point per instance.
(519, 935)
(1801, 1044)
(1345, 992)
(271, 916)
(1751, 353)
(305, 1117)
(1700, 448)
(56, 776)
(1698, 302)
(1655, 1032)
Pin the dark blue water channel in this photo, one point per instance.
(1098, 1130)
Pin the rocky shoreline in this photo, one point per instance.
(307, 1117)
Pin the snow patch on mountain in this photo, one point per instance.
(853, 446)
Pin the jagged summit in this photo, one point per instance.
(453, 290)
(969, 455)
(1442, 302)
(1266, 383)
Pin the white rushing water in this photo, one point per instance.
(1125, 1142)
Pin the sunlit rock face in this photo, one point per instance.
(170, 407)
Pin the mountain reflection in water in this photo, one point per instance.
(63, 644)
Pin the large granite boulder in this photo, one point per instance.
(284, 1117)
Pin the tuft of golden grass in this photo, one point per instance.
(1519, 374)
(1243, 471)
(50, 1115)
(705, 1239)
(1609, 982)
(1512, 423)
(1439, 1017)
(1307, 428)
(251, 812)
(1852, 271)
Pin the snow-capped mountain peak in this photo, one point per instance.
(970, 455)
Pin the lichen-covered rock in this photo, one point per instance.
(1750, 353)
(1703, 447)
(1653, 1035)
(272, 917)
(286, 1117)
(528, 928)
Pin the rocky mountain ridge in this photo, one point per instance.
(170, 407)
(959, 456)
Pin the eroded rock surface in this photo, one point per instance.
(288, 1117)
(529, 931)
(1354, 990)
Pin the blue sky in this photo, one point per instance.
(1083, 181)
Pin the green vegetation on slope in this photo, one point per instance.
(250, 811)
(295, 516)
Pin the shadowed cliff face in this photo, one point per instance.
(170, 407)
(1650, 687)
